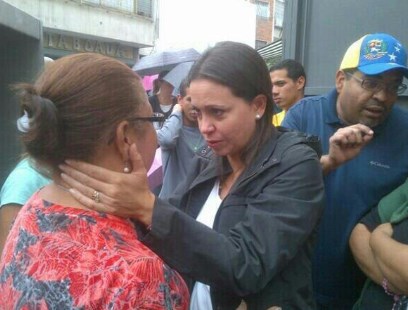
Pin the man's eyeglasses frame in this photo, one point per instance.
(379, 85)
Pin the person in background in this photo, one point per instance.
(163, 101)
(362, 133)
(156, 87)
(59, 254)
(179, 139)
(21, 183)
(288, 86)
(382, 236)
(243, 230)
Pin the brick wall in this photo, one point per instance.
(264, 26)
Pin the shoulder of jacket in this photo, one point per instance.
(289, 137)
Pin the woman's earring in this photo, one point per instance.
(257, 116)
(126, 169)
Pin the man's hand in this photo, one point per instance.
(177, 108)
(345, 144)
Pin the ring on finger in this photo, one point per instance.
(95, 196)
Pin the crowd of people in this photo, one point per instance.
(269, 200)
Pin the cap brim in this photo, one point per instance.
(379, 68)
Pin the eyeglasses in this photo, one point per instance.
(156, 117)
(375, 85)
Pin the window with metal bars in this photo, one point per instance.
(145, 7)
(140, 7)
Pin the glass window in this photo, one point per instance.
(279, 12)
(123, 5)
(144, 7)
(98, 2)
(262, 9)
(140, 7)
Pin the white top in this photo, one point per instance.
(166, 107)
(201, 298)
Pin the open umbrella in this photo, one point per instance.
(177, 74)
(165, 60)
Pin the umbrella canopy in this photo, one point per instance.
(165, 60)
(177, 74)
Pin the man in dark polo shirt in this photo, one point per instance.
(364, 140)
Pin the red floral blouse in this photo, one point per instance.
(65, 258)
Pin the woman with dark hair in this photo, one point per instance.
(59, 254)
(244, 227)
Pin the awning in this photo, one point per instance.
(272, 50)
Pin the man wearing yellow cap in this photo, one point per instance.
(364, 138)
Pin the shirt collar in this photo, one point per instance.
(330, 112)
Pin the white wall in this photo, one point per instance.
(71, 16)
(202, 23)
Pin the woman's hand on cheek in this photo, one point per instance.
(122, 194)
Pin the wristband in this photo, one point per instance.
(384, 284)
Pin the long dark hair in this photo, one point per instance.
(240, 68)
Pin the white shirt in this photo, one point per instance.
(201, 298)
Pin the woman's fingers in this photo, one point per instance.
(90, 202)
(122, 194)
(85, 172)
(78, 178)
(137, 160)
(88, 196)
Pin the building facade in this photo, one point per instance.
(109, 27)
(269, 21)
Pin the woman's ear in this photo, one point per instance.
(259, 103)
(122, 140)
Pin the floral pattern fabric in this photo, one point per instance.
(59, 257)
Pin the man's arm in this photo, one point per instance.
(167, 135)
(345, 144)
(391, 257)
(363, 255)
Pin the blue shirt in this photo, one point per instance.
(179, 144)
(351, 190)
